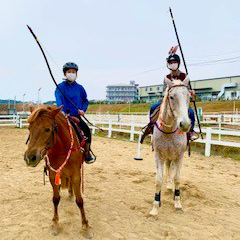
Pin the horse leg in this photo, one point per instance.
(159, 182)
(70, 191)
(177, 198)
(56, 200)
(79, 200)
(169, 175)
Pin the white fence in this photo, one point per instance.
(130, 128)
(13, 120)
(208, 141)
(223, 119)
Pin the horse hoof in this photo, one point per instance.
(54, 231)
(179, 210)
(88, 234)
(154, 212)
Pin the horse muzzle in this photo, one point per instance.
(184, 125)
(32, 158)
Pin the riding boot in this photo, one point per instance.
(89, 157)
(192, 136)
(148, 129)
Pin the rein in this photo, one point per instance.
(172, 112)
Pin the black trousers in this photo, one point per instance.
(86, 130)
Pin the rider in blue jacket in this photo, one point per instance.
(77, 94)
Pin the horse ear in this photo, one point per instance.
(168, 82)
(186, 81)
(56, 111)
(32, 108)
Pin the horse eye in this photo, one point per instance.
(47, 130)
(171, 97)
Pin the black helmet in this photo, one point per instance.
(70, 65)
(173, 57)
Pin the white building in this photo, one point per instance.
(122, 92)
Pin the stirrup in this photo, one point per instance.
(193, 136)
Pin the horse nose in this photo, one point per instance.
(184, 125)
(33, 158)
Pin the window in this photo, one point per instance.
(146, 89)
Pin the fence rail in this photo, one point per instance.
(133, 129)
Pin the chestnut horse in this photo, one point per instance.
(51, 137)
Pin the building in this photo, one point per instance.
(122, 92)
(225, 88)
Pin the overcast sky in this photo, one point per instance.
(113, 41)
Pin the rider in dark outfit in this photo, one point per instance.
(77, 94)
(173, 63)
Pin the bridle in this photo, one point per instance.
(54, 130)
(162, 123)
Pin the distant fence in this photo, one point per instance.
(208, 141)
(134, 128)
(220, 119)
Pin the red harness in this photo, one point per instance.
(70, 151)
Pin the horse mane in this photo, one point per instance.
(38, 111)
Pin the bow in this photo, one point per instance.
(49, 69)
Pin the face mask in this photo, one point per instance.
(173, 66)
(71, 77)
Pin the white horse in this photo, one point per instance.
(169, 138)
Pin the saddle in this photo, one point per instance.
(75, 124)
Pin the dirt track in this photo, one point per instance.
(119, 194)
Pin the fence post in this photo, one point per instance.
(139, 149)
(132, 132)
(21, 122)
(14, 118)
(17, 121)
(208, 142)
(110, 129)
(219, 127)
(93, 129)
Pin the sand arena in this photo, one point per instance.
(118, 196)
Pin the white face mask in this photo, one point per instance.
(71, 77)
(173, 66)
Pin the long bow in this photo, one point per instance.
(49, 69)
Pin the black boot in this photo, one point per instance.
(148, 129)
(89, 157)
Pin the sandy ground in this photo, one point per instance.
(119, 195)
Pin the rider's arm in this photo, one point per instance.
(58, 96)
(84, 100)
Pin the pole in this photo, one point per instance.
(50, 71)
(139, 149)
(179, 44)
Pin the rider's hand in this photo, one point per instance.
(193, 94)
(81, 112)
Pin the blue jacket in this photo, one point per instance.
(76, 93)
